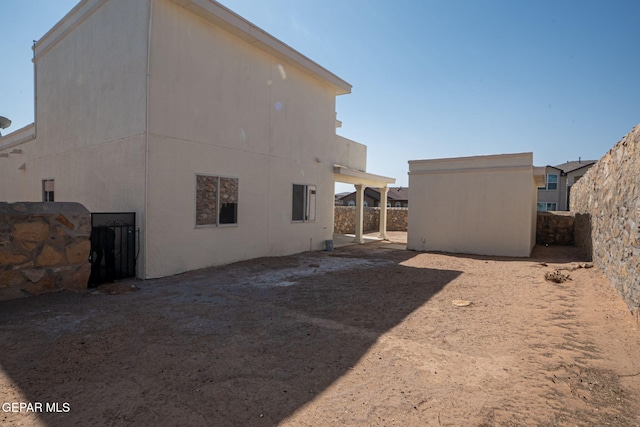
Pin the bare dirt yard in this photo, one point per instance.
(363, 336)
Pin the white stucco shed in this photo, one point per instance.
(484, 205)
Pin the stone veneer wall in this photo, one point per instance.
(44, 247)
(345, 219)
(607, 198)
(555, 228)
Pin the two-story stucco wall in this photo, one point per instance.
(221, 106)
(135, 98)
(478, 205)
(90, 73)
(91, 106)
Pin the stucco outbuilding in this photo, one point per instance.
(484, 205)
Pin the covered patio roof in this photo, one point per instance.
(356, 177)
(361, 180)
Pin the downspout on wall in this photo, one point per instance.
(146, 144)
(35, 91)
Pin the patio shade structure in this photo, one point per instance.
(361, 180)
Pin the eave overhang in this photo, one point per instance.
(235, 24)
(356, 177)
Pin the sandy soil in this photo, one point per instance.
(365, 335)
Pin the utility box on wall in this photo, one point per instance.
(483, 205)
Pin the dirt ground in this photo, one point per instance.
(365, 335)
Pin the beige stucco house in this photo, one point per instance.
(483, 205)
(219, 137)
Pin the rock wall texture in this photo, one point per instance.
(555, 228)
(345, 219)
(607, 198)
(44, 247)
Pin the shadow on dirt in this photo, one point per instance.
(247, 344)
(551, 254)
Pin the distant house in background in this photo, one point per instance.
(339, 196)
(397, 197)
(555, 195)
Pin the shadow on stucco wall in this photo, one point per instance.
(582, 235)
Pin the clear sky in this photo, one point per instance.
(431, 78)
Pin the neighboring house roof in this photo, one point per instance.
(574, 165)
(395, 193)
(398, 193)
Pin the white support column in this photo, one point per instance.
(359, 213)
(383, 212)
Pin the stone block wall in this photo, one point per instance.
(44, 247)
(345, 219)
(555, 228)
(607, 198)
(397, 219)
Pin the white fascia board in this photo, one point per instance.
(68, 23)
(356, 177)
(18, 137)
(472, 163)
(240, 27)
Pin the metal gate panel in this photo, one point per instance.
(113, 247)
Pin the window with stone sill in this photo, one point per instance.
(216, 200)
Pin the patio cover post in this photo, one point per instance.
(359, 213)
(383, 212)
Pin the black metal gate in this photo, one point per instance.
(113, 247)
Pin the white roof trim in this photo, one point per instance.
(240, 27)
(221, 16)
(18, 137)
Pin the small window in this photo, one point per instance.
(216, 200)
(398, 205)
(352, 203)
(552, 182)
(47, 190)
(304, 203)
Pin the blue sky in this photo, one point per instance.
(431, 78)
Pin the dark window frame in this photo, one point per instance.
(303, 202)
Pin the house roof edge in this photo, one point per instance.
(235, 24)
